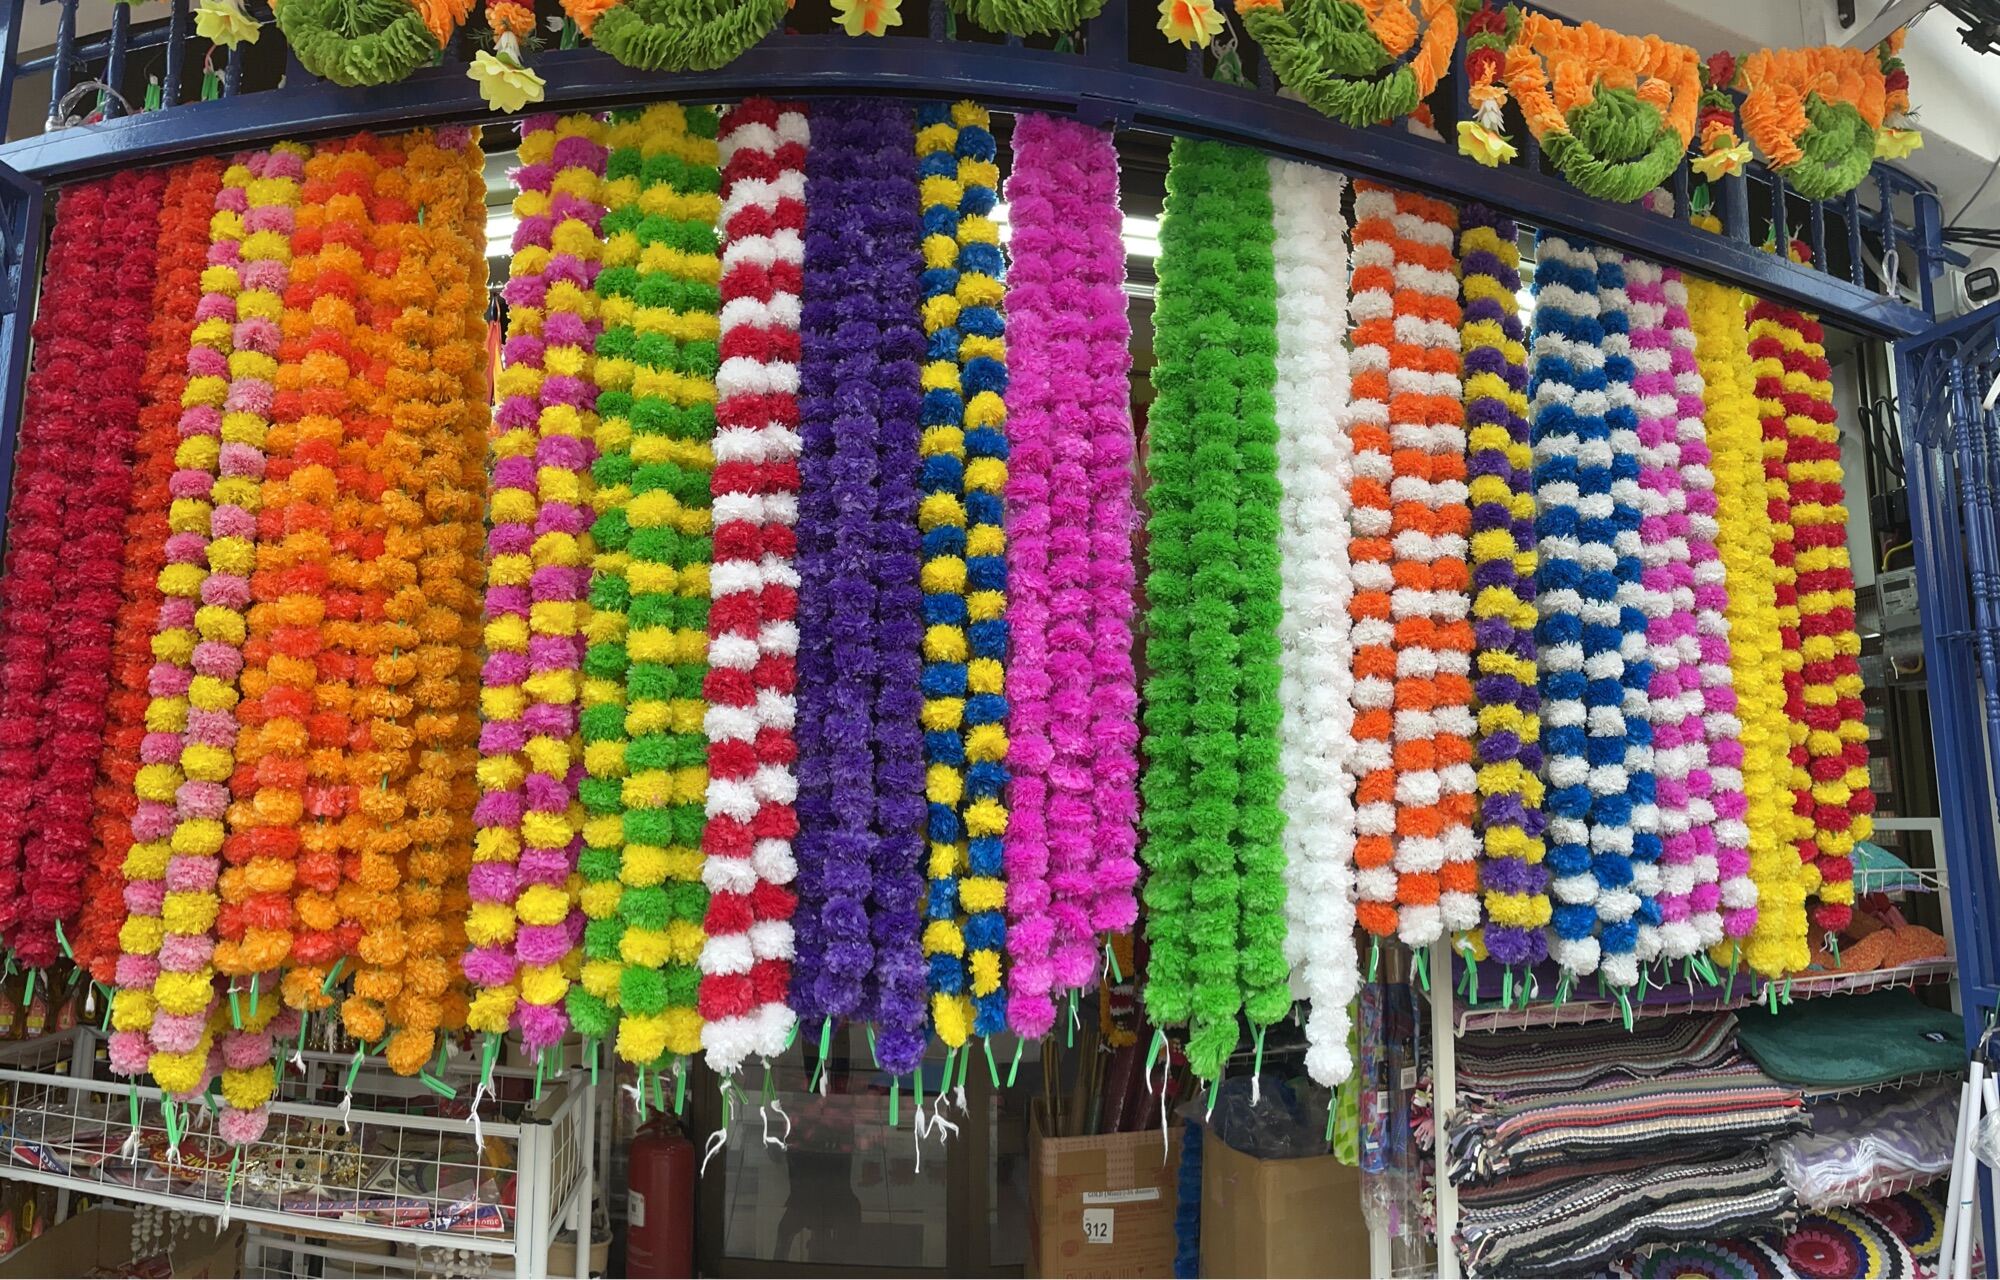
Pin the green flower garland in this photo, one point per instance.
(1325, 52)
(357, 43)
(1216, 893)
(1617, 148)
(593, 999)
(673, 346)
(1839, 147)
(1028, 17)
(684, 35)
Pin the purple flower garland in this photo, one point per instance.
(861, 799)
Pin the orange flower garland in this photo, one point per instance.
(1814, 113)
(377, 538)
(183, 246)
(1615, 112)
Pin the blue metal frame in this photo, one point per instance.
(1102, 84)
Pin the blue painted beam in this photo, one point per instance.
(1104, 89)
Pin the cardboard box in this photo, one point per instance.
(1279, 1217)
(101, 1239)
(1102, 1206)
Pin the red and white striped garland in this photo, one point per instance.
(753, 637)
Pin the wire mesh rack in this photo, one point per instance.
(1912, 1080)
(1699, 998)
(354, 1158)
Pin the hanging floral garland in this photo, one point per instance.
(1813, 113)
(1575, 648)
(185, 210)
(1723, 152)
(1766, 327)
(672, 286)
(1724, 901)
(964, 450)
(1777, 941)
(1215, 895)
(510, 515)
(95, 462)
(1621, 112)
(376, 543)
(593, 1001)
(1372, 629)
(1346, 58)
(752, 629)
(1624, 837)
(1067, 410)
(440, 291)
(1836, 801)
(306, 712)
(1315, 656)
(1437, 879)
(682, 35)
(159, 778)
(1502, 498)
(1488, 33)
(1898, 136)
(549, 927)
(1674, 703)
(861, 794)
(1028, 17)
(357, 45)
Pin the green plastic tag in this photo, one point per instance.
(1111, 962)
(235, 1008)
(681, 1091)
(992, 1067)
(63, 942)
(895, 1101)
(1015, 1069)
(333, 976)
(877, 1062)
(1374, 956)
(436, 1085)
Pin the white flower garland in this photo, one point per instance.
(1566, 408)
(1315, 470)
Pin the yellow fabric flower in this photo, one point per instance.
(224, 23)
(1894, 144)
(867, 17)
(503, 82)
(1722, 161)
(1485, 145)
(1190, 22)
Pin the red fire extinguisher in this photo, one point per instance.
(659, 1206)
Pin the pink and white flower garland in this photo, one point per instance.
(1072, 834)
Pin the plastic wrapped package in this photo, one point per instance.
(1870, 1145)
(1387, 1067)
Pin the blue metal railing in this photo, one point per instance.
(1117, 72)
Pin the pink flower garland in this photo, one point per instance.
(1071, 836)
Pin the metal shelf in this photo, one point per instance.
(1676, 999)
(386, 1165)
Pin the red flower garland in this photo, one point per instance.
(87, 471)
(183, 246)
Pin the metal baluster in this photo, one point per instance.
(1781, 220)
(1976, 454)
(114, 61)
(59, 77)
(232, 72)
(940, 19)
(1683, 190)
(1851, 213)
(177, 30)
(1817, 234)
(1929, 244)
(1736, 207)
(1195, 66)
(10, 46)
(1105, 37)
(20, 257)
(1885, 226)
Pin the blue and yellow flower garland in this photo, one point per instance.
(963, 471)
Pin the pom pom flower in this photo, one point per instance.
(748, 864)
(1315, 474)
(1072, 706)
(1360, 63)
